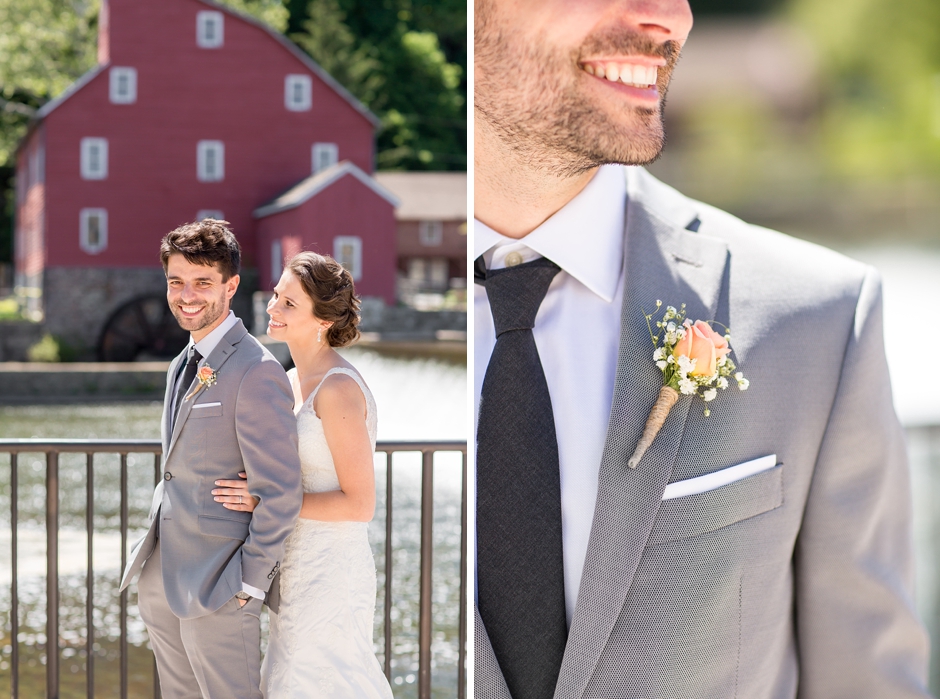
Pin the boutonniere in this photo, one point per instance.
(694, 361)
(207, 376)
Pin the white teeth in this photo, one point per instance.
(626, 73)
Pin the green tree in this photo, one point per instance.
(406, 60)
(881, 62)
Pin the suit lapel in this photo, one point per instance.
(225, 349)
(168, 401)
(663, 262)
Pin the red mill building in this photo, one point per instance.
(192, 111)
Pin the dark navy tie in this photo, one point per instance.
(189, 373)
(520, 569)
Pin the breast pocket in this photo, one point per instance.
(200, 410)
(699, 513)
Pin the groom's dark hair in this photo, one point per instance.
(208, 242)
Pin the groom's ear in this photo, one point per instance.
(231, 286)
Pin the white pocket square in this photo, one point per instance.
(710, 481)
(206, 405)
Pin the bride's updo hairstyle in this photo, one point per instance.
(331, 289)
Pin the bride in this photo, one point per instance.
(320, 644)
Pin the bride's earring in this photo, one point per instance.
(320, 334)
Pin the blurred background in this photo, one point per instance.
(331, 125)
(822, 120)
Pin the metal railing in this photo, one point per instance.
(52, 448)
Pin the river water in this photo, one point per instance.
(417, 399)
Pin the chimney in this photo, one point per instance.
(104, 35)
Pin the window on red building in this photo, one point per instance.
(347, 250)
(324, 155)
(210, 161)
(297, 93)
(94, 158)
(93, 230)
(123, 85)
(430, 233)
(210, 30)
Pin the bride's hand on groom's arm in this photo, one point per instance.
(234, 495)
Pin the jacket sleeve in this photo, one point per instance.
(858, 635)
(267, 437)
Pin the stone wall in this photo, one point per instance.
(77, 301)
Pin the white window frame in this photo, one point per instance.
(203, 148)
(322, 156)
(277, 261)
(353, 266)
(203, 20)
(291, 83)
(84, 218)
(88, 147)
(430, 233)
(203, 214)
(114, 85)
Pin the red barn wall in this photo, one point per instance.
(346, 207)
(185, 94)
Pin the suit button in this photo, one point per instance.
(167, 476)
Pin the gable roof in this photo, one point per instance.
(308, 188)
(291, 47)
(428, 196)
(311, 65)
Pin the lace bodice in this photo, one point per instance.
(319, 473)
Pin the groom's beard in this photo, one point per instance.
(532, 97)
(212, 312)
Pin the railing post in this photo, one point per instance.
(387, 626)
(124, 524)
(90, 581)
(427, 543)
(462, 623)
(14, 587)
(52, 575)
(157, 477)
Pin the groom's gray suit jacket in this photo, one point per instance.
(795, 582)
(244, 422)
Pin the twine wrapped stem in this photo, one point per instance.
(654, 423)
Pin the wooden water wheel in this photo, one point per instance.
(143, 327)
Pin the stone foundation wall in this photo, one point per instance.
(77, 301)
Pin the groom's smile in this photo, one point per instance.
(197, 295)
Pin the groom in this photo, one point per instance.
(759, 551)
(206, 569)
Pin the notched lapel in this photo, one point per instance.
(663, 262)
(221, 354)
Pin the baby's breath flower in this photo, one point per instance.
(662, 365)
(687, 386)
(722, 382)
(710, 394)
(659, 354)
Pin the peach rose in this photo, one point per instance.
(702, 344)
(205, 373)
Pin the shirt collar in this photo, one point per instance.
(207, 344)
(585, 237)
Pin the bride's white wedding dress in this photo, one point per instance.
(320, 643)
